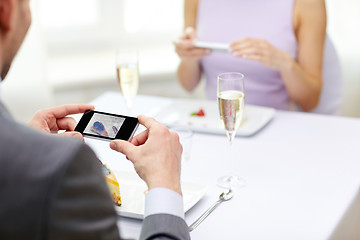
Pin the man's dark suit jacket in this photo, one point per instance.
(53, 188)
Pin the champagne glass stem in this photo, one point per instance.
(231, 136)
(231, 158)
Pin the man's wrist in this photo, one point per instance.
(172, 184)
(163, 201)
(168, 185)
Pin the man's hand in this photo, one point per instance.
(52, 120)
(155, 153)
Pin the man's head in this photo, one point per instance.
(15, 20)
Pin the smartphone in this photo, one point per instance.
(212, 46)
(107, 126)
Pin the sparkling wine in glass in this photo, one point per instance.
(231, 95)
(127, 71)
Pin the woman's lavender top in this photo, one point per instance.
(224, 21)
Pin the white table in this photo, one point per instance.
(303, 173)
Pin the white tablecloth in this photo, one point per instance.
(303, 174)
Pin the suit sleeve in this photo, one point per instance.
(164, 227)
(82, 207)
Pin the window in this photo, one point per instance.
(81, 36)
(92, 25)
(67, 13)
(152, 16)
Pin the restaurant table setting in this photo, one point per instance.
(302, 171)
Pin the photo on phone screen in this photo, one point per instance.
(107, 126)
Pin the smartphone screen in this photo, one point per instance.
(107, 126)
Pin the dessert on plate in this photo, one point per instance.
(112, 184)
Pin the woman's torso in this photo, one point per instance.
(227, 20)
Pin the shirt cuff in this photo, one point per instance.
(164, 201)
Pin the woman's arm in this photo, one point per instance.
(303, 79)
(302, 76)
(189, 70)
(190, 13)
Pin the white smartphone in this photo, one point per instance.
(212, 46)
(107, 126)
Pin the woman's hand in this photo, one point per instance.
(262, 51)
(189, 70)
(185, 48)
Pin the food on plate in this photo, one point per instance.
(199, 113)
(112, 184)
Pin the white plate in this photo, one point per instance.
(132, 191)
(179, 114)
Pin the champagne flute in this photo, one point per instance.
(231, 95)
(127, 71)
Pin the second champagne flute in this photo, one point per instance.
(127, 71)
(231, 96)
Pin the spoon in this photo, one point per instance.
(225, 196)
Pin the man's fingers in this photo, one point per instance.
(123, 147)
(64, 110)
(66, 123)
(141, 138)
(72, 134)
(148, 122)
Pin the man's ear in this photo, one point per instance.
(6, 14)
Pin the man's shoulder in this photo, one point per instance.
(33, 170)
(33, 150)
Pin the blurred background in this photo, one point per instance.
(69, 53)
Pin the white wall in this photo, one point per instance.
(343, 28)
